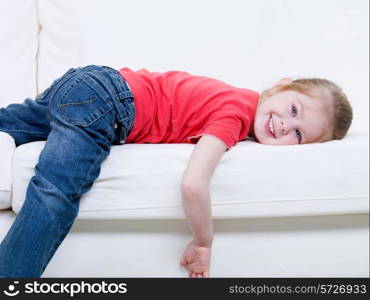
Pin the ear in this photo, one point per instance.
(283, 81)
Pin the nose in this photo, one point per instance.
(283, 127)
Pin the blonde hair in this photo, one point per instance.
(342, 110)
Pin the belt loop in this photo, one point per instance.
(123, 92)
(124, 95)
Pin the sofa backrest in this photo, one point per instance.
(18, 50)
(250, 43)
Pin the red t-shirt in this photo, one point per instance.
(177, 107)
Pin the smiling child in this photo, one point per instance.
(89, 109)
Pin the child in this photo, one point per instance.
(89, 109)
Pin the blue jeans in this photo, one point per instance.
(81, 115)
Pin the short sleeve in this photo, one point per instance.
(226, 128)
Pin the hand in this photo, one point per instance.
(197, 260)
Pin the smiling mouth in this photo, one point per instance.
(269, 127)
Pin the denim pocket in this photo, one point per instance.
(80, 104)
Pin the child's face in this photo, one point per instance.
(289, 117)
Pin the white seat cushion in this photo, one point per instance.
(7, 148)
(141, 181)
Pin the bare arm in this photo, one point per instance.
(197, 202)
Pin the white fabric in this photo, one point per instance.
(319, 246)
(142, 181)
(7, 148)
(18, 51)
(250, 43)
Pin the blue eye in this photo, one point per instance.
(297, 131)
(294, 110)
(299, 135)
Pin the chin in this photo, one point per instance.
(266, 140)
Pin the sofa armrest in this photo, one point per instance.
(7, 148)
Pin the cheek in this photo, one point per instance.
(282, 141)
(261, 118)
(289, 139)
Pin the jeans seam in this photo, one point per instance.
(76, 103)
(78, 122)
(56, 244)
(25, 131)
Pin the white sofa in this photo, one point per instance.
(289, 211)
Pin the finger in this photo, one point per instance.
(193, 275)
(205, 274)
(183, 262)
(199, 276)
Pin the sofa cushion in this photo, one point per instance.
(140, 181)
(7, 148)
(18, 52)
